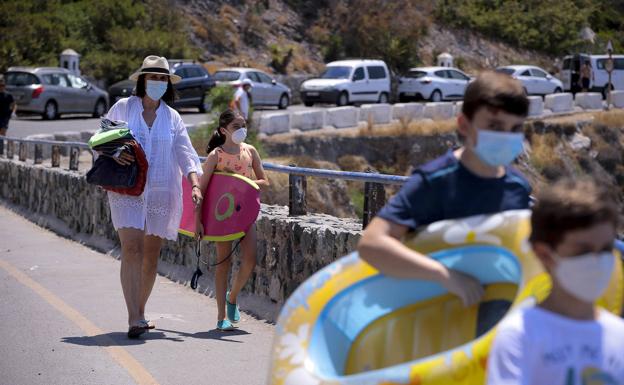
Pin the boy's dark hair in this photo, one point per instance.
(571, 205)
(495, 90)
(217, 139)
(169, 97)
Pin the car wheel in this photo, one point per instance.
(343, 99)
(50, 112)
(557, 90)
(100, 109)
(383, 98)
(284, 102)
(308, 104)
(403, 98)
(436, 96)
(205, 105)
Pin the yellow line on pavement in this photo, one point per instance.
(123, 358)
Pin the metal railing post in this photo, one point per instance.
(1, 146)
(10, 149)
(297, 185)
(38, 153)
(23, 151)
(56, 156)
(374, 200)
(74, 157)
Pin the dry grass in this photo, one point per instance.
(325, 196)
(613, 119)
(415, 127)
(545, 155)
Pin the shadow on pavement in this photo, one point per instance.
(118, 339)
(213, 334)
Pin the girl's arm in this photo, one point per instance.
(208, 168)
(261, 179)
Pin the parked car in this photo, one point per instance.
(265, 90)
(433, 83)
(349, 81)
(572, 65)
(535, 80)
(192, 89)
(52, 91)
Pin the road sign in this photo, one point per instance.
(609, 47)
(609, 65)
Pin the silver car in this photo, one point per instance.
(52, 91)
(266, 91)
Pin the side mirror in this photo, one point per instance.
(273, 81)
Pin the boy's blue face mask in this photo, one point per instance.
(499, 148)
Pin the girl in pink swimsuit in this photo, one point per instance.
(227, 152)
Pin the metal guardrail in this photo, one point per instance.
(374, 192)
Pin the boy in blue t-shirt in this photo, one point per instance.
(475, 179)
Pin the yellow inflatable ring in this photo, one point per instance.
(348, 324)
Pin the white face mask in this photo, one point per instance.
(586, 276)
(155, 89)
(239, 135)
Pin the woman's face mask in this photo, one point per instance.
(155, 89)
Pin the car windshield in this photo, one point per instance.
(508, 71)
(416, 74)
(336, 73)
(226, 76)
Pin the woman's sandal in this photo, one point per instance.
(148, 324)
(136, 331)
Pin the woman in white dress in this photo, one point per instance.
(143, 222)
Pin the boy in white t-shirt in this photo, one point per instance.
(566, 339)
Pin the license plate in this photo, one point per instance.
(313, 93)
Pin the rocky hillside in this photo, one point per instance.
(280, 37)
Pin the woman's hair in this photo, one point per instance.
(169, 97)
(217, 138)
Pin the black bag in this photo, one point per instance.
(107, 172)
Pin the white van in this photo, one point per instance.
(600, 77)
(349, 81)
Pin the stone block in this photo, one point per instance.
(308, 120)
(439, 111)
(274, 123)
(342, 117)
(559, 102)
(536, 106)
(409, 111)
(378, 113)
(617, 99)
(589, 100)
(458, 108)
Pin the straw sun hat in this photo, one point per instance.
(155, 65)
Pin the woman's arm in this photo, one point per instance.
(261, 179)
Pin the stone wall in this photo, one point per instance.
(290, 249)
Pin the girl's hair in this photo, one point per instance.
(217, 138)
(169, 97)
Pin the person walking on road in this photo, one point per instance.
(7, 108)
(143, 222)
(240, 103)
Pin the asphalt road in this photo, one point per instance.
(30, 125)
(63, 321)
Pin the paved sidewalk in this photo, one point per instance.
(63, 321)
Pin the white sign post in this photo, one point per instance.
(609, 68)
